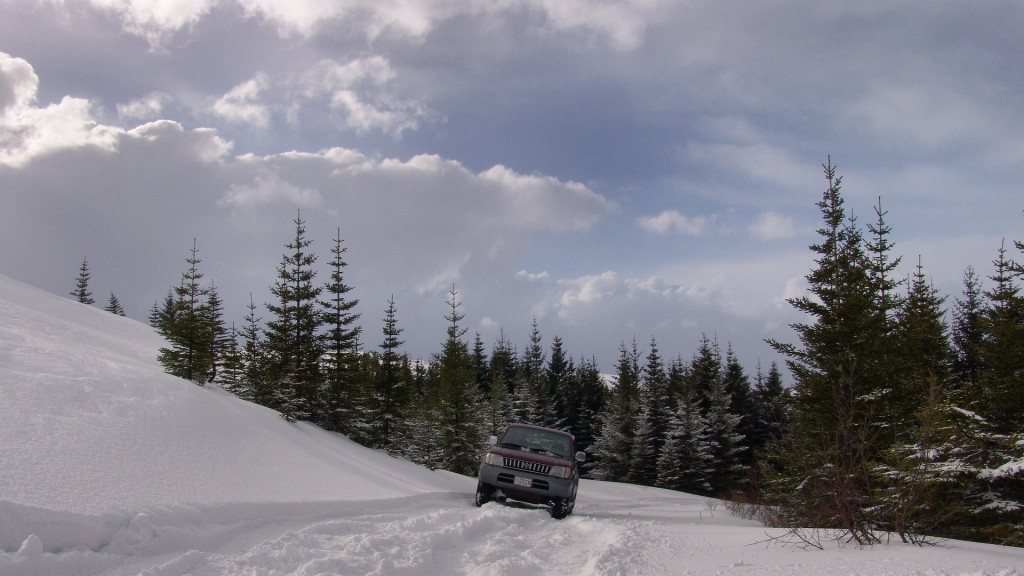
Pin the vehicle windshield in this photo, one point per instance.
(537, 440)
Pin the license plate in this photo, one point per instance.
(524, 482)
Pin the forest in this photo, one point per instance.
(904, 418)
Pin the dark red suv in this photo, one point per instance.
(531, 464)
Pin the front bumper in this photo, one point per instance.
(542, 488)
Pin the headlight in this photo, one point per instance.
(559, 471)
(492, 459)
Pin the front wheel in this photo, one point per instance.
(561, 508)
(484, 494)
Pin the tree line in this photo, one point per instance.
(905, 416)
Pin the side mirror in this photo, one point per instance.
(493, 440)
(581, 456)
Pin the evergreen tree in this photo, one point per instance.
(256, 385)
(586, 405)
(654, 414)
(1001, 396)
(840, 391)
(393, 388)
(725, 443)
(922, 350)
(81, 291)
(532, 399)
(558, 380)
(737, 386)
(772, 409)
(345, 405)
(292, 339)
(501, 374)
(219, 337)
(458, 414)
(189, 334)
(613, 448)
(231, 377)
(967, 333)
(162, 317)
(114, 306)
(685, 460)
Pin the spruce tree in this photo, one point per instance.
(189, 333)
(613, 447)
(559, 374)
(114, 306)
(81, 291)
(840, 390)
(292, 335)
(345, 408)
(737, 385)
(393, 388)
(685, 462)
(458, 412)
(967, 333)
(653, 420)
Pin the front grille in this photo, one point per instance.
(527, 466)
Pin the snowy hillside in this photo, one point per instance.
(110, 466)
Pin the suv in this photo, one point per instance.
(531, 464)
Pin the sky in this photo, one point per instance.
(612, 170)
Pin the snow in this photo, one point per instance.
(109, 466)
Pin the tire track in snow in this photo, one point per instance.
(450, 537)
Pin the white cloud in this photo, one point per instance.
(674, 222)
(156, 20)
(27, 132)
(772, 226)
(269, 189)
(149, 107)
(242, 103)
(362, 90)
(532, 277)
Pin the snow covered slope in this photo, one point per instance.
(110, 466)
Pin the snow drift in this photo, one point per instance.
(110, 466)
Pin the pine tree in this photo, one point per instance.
(81, 291)
(586, 404)
(256, 385)
(345, 408)
(162, 317)
(967, 333)
(725, 443)
(686, 457)
(839, 425)
(1002, 350)
(737, 386)
(653, 422)
(114, 306)
(772, 409)
(189, 333)
(558, 378)
(393, 388)
(532, 399)
(613, 448)
(231, 376)
(220, 339)
(292, 338)
(922, 350)
(458, 414)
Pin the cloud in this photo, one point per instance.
(772, 226)
(674, 222)
(269, 189)
(362, 91)
(242, 103)
(27, 131)
(149, 107)
(622, 23)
